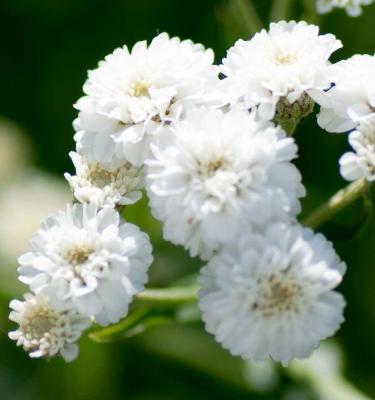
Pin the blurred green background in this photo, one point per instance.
(46, 48)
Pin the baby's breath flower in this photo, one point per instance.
(103, 186)
(285, 63)
(132, 93)
(89, 260)
(219, 174)
(271, 294)
(46, 331)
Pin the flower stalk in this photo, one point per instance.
(336, 203)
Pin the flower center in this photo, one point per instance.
(100, 177)
(209, 169)
(284, 58)
(140, 88)
(278, 294)
(78, 255)
(39, 322)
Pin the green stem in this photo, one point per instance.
(280, 10)
(116, 331)
(247, 13)
(153, 308)
(336, 203)
(168, 296)
(325, 381)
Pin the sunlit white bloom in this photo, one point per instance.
(271, 294)
(131, 94)
(45, 331)
(221, 173)
(102, 186)
(352, 99)
(352, 7)
(361, 162)
(88, 259)
(288, 61)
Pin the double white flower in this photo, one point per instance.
(46, 331)
(88, 260)
(109, 186)
(271, 293)
(285, 63)
(221, 173)
(131, 94)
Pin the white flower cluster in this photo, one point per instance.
(219, 174)
(352, 7)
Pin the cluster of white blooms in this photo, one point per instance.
(352, 7)
(218, 170)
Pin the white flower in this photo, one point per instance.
(271, 294)
(45, 331)
(88, 260)
(218, 174)
(361, 162)
(352, 99)
(287, 62)
(102, 186)
(131, 94)
(352, 7)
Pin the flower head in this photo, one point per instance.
(45, 331)
(352, 7)
(271, 294)
(352, 99)
(88, 260)
(286, 62)
(361, 162)
(218, 174)
(102, 186)
(131, 94)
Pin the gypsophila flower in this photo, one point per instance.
(352, 99)
(361, 162)
(131, 94)
(45, 331)
(90, 260)
(102, 186)
(288, 61)
(271, 294)
(352, 7)
(218, 174)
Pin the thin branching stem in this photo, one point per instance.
(336, 203)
